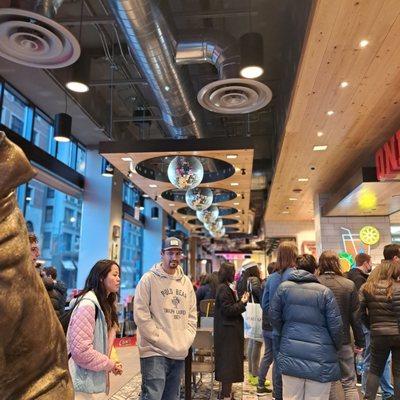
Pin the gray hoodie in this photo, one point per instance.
(165, 314)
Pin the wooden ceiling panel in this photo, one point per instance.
(366, 112)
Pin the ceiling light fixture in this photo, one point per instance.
(320, 147)
(145, 195)
(285, 212)
(320, 134)
(171, 204)
(152, 185)
(292, 198)
(62, 127)
(236, 204)
(344, 84)
(330, 113)
(126, 159)
(363, 43)
(303, 179)
(77, 87)
(234, 184)
(231, 156)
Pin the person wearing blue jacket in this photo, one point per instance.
(307, 318)
(285, 265)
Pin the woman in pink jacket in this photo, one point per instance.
(91, 332)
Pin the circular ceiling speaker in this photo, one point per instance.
(199, 198)
(234, 96)
(36, 41)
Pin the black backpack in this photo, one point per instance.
(66, 317)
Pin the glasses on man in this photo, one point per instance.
(173, 252)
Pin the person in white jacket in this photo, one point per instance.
(166, 317)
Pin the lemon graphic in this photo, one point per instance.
(369, 235)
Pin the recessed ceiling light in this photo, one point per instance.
(320, 134)
(126, 159)
(232, 156)
(171, 204)
(236, 204)
(234, 184)
(285, 212)
(303, 179)
(152, 185)
(320, 148)
(167, 88)
(330, 113)
(363, 43)
(344, 84)
(145, 195)
(292, 198)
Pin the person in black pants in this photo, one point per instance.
(380, 312)
(228, 332)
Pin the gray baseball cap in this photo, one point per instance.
(172, 243)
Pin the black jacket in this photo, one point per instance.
(251, 285)
(228, 336)
(357, 276)
(266, 323)
(379, 314)
(346, 296)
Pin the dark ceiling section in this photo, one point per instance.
(135, 110)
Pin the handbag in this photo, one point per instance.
(253, 321)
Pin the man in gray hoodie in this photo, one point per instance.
(166, 317)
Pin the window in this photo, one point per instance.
(48, 217)
(131, 254)
(81, 160)
(131, 195)
(59, 241)
(46, 240)
(43, 133)
(16, 113)
(50, 193)
(17, 125)
(68, 216)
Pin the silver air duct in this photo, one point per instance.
(230, 94)
(153, 47)
(30, 36)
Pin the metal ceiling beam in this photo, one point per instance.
(216, 14)
(105, 20)
(118, 82)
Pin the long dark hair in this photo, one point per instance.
(95, 282)
(286, 257)
(385, 274)
(226, 272)
(329, 262)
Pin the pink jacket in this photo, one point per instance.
(80, 339)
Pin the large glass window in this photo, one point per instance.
(131, 194)
(131, 254)
(53, 216)
(42, 135)
(16, 113)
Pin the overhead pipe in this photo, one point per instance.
(47, 8)
(153, 47)
(217, 48)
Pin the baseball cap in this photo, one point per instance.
(172, 243)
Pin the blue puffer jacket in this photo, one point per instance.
(307, 318)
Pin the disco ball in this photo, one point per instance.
(208, 215)
(215, 226)
(199, 198)
(218, 234)
(185, 172)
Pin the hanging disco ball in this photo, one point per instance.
(185, 172)
(199, 198)
(218, 234)
(215, 226)
(208, 215)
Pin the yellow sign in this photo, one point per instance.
(369, 235)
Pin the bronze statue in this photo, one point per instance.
(33, 354)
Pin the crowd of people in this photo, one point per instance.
(316, 321)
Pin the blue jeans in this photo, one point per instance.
(267, 359)
(161, 378)
(386, 386)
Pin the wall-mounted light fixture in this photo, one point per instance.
(154, 213)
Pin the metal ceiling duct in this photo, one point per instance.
(30, 36)
(153, 47)
(230, 94)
